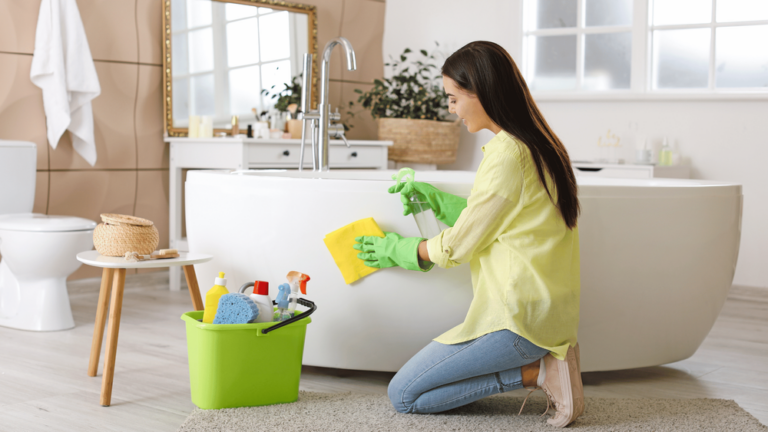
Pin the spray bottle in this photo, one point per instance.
(421, 211)
(282, 313)
(298, 282)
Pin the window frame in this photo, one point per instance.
(641, 66)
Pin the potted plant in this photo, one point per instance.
(291, 94)
(410, 108)
(289, 99)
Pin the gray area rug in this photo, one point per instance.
(362, 412)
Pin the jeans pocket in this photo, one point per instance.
(527, 350)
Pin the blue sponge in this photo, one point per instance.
(236, 308)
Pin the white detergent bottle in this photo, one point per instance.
(260, 296)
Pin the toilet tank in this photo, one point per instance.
(18, 165)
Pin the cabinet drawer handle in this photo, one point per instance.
(286, 153)
(589, 169)
(354, 154)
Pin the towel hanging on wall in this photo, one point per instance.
(63, 68)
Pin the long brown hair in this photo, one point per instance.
(488, 71)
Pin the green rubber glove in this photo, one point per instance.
(447, 207)
(390, 250)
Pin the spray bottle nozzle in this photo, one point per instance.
(298, 280)
(303, 279)
(406, 172)
(282, 296)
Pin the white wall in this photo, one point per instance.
(721, 140)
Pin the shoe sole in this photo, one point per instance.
(577, 405)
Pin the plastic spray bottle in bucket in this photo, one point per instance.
(287, 300)
(298, 282)
(284, 291)
(422, 213)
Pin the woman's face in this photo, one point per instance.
(468, 107)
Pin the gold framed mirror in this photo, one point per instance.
(218, 55)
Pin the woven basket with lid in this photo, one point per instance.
(123, 233)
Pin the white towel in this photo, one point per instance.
(63, 68)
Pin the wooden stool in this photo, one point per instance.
(113, 277)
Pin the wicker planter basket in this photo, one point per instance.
(420, 141)
(122, 233)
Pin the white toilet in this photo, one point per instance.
(38, 251)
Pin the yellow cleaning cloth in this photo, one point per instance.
(340, 243)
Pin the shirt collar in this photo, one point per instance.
(502, 138)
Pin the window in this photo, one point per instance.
(709, 44)
(578, 44)
(625, 46)
(225, 53)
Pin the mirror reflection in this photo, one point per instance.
(224, 54)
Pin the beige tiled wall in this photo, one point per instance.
(362, 22)
(125, 37)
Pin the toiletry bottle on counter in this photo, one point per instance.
(235, 130)
(261, 297)
(212, 298)
(665, 155)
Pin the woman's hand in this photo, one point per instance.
(390, 250)
(447, 207)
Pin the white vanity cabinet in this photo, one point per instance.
(240, 153)
(590, 169)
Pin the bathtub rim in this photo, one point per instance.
(604, 187)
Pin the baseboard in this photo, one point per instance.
(748, 293)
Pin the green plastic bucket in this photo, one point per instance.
(237, 365)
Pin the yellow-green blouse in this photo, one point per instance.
(524, 260)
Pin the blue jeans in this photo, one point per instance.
(441, 377)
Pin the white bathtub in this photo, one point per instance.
(657, 261)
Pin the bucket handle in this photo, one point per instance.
(304, 302)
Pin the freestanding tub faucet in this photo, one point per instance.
(318, 122)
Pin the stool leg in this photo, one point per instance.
(101, 318)
(194, 289)
(118, 285)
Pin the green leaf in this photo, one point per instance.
(410, 92)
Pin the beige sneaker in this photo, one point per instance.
(561, 381)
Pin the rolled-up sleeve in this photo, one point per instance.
(495, 201)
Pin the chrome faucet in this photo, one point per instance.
(318, 123)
